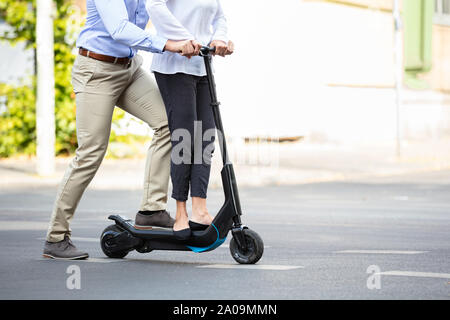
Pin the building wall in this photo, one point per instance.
(375, 25)
(374, 4)
(438, 78)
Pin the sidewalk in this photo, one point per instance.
(259, 164)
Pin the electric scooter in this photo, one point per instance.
(246, 246)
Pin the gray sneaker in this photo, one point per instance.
(64, 249)
(159, 219)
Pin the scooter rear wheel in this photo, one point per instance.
(110, 232)
(253, 252)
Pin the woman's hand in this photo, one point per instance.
(222, 48)
(230, 49)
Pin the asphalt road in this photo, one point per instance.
(321, 240)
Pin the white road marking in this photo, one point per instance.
(16, 225)
(416, 274)
(227, 245)
(81, 239)
(102, 260)
(381, 251)
(401, 198)
(91, 260)
(250, 266)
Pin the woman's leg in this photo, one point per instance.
(200, 171)
(181, 218)
(179, 95)
(200, 212)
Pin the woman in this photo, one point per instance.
(184, 88)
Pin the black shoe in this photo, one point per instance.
(197, 226)
(182, 234)
(160, 219)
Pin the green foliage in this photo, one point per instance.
(17, 122)
(17, 128)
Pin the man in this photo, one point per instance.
(107, 73)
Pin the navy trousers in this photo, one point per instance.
(191, 124)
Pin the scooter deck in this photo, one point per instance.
(164, 238)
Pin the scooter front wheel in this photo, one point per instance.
(107, 248)
(253, 251)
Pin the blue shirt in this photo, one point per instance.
(116, 28)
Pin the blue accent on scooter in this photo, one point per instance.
(216, 243)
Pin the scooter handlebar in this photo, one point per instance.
(206, 51)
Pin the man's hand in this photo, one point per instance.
(182, 47)
(187, 48)
(222, 48)
(197, 46)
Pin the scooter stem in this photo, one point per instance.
(205, 52)
(228, 177)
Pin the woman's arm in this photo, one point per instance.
(220, 37)
(165, 22)
(115, 18)
(219, 25)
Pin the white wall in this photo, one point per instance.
(287, 53)
(17, 63)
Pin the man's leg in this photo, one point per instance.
(93, 121)
(143, 100)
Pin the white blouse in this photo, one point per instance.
(201, 20)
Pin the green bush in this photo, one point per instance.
(17, 121)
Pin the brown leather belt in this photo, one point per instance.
(102, 57)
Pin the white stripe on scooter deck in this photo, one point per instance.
(251, 266)
(416, 274)
(381, 251)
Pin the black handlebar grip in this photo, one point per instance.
(204, 50)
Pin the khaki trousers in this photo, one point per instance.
(99, 87)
